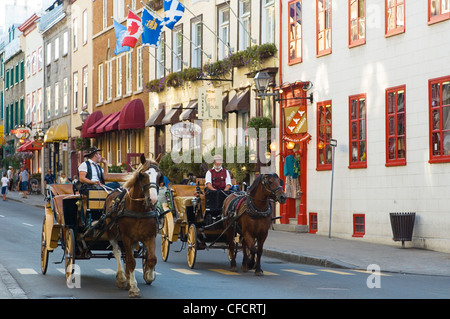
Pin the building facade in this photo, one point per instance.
(381, 89)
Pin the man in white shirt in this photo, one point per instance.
(218, 177)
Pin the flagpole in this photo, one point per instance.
(243, 27)
(226, 44)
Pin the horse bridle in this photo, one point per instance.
(265, 183)
(146, 187)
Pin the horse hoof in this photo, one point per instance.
(259, 273)
(149, 276)
(244, 268)
(233, 269)
(121, 281)
(134, 293)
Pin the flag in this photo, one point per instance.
(173, 11)
(134, 30)
(196, 1)
(121, 31)
(152, 28)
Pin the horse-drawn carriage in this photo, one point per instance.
(203, 219)
(87, 225)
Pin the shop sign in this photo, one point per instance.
(21, 133)
(209, 104)
(185, 130)
(295, 119)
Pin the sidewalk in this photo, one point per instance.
(319, 250)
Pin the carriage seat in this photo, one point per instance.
(183, 195)
(61, 189)
(58, 206)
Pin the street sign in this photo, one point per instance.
(209, 104)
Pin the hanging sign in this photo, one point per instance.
(295, 119)
(185, 130)
(209, 104)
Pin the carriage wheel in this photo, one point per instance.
(69, 252)
(191, 245)
(44, 250)
(165, 243)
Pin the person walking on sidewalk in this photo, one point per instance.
(5, 184)
(23, 179)
(10, 176)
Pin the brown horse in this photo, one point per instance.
(250, 215)
(132, 220)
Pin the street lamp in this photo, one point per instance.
(333, 144)
(84, 115)
(262, 81)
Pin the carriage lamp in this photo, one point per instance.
(262, 80)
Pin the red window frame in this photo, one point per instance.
(438, 17)
(356, 23)
(359, 225)
(438, 126)
(327, 27)
(313, 223)
(396, 126)
(395, 7)
(357, 134)
(295, 39)
(324, 135)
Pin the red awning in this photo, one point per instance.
(91, 119)
(93, 128)
(132, 115)
(113, 125)
(102, 128)
(29, 146)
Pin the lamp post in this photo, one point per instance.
(333, 144)
(84, 115)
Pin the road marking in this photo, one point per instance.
(336, 272)
(26, 224)
(2, 216)
(185, 271)
(106, 271)
(225, 272)
(26, 271)
(300, 272)
(268, 273)
(371, 273)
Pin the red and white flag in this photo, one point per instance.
(134, 30)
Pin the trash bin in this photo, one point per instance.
(402, 226)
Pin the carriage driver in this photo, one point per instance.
(90, 173)
(218, 177)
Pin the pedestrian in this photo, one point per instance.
(62, 179)
(49, 179)
(10, 176)
(5, 184)
(24, 176)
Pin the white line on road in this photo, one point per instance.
(26, 224)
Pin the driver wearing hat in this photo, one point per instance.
(90, 172)
(218, 177)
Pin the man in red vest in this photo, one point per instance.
(218, 177)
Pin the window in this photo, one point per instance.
(139, 67)
(48, 92)
(105, 14)
(22, 70)
(39, 106)
(268, 21)
(75, 34)
(177, 49)
(56, 49)
(313, 223)
(359, 225)
(56, 98)
(439, 95)
(108, 80)
(295, 31)
(224, 33)
(161, 57)
(357, 23)
(395, 126)
(244, 24)
(65, 95)
(65, 43)
(323, 27)
(357, 121)
(395, 17)
(75, 92)
(128, 73)
(324, 151)
(40, 58)
(85, 86)
(100, 83)
(197, 42)
(85, 27)
(119, 9)
(119, 76)
(438, 10)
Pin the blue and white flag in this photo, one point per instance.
(173, 11)
(152, 29)
(121, 32)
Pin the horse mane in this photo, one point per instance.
(257, 181)
(133, 178)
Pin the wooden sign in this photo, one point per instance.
(295, 120)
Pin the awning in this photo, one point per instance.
(91, 119)
(30, 146)
(173, 116)
(132, 115)
(93, 128)
(191, 111)
(48, 137)
(240, 102)
(113, 124)
(61, 133)
(157, 117)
